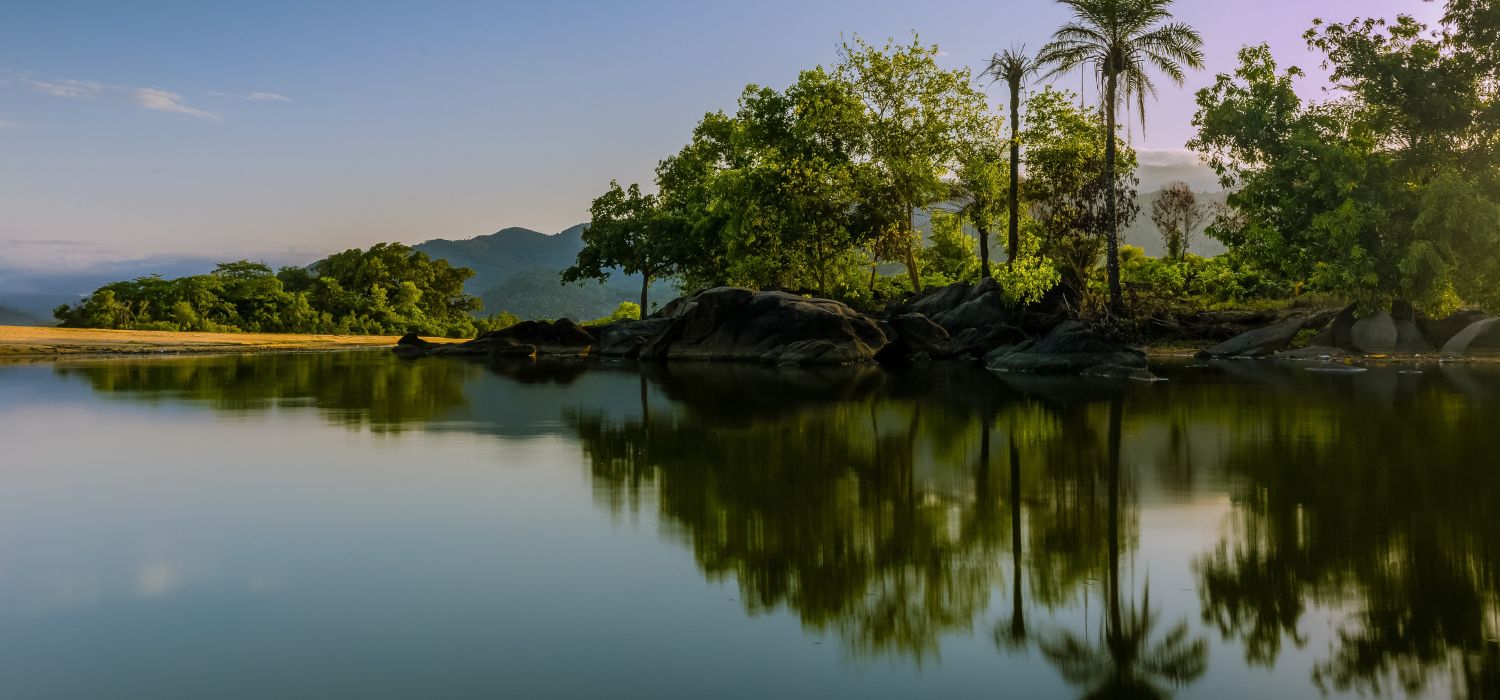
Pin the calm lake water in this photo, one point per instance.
(354, 525)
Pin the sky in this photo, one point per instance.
(286, 130)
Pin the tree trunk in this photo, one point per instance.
(911, 253)
(1112, 239)
(984, 252)
(645, 287)
(1013, 244)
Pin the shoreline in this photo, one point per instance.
(44, 343)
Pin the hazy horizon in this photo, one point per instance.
(286, 131)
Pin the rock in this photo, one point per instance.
(732, 324)
(1259, 342)
(626, 338)
(1409, 338)
(982, 311)
(914, 336)
(940, 300)
(1068, 349)
(1337, 333)
(412, 346)
(981, 341)
(1480, 337)
(561, 337)
(1374, 334)
(1439, 332)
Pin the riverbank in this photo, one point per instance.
(41, 342)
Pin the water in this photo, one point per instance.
(354, 525)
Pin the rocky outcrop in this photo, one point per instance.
(1374, 334)
(527, 338)
(1481, 337)
(733, 324)
(626, 338)
(1439, 331)
(410, 345)
(1069, 348)
(1259, 342)
(914, 338)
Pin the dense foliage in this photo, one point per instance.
(1387, 190)
(388, 289)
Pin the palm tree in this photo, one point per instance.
(1121, 39)
(1012, 66)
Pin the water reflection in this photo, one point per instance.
(902, 513)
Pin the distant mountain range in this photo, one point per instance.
(515, 270)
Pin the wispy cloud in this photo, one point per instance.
(168, 101)
(7, 125)
(267, 97)
(72, 89)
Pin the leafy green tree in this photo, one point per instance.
(982, 183)
(918, 118)
(627, 231)
(1386, 193)
(950, 254)
(1013, 66)
(1120, 40)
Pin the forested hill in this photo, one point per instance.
(12, 317)
(516, 270)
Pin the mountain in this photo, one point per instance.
(12, 317)
(516, 270)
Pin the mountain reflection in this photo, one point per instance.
(896, 510)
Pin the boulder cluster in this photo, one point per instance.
(958, 322)
(1401, 331)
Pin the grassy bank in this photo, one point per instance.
(28, 341)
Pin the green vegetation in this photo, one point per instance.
(1386, 191)
(388, 289)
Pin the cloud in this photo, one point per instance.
(267, 97)
(1167, 156)
(7, 125)
(167, 101)
(72, 89)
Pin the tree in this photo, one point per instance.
(918, 116)
(1386, 193)
(1120, 39)
(1177, 213)
(981, 185)
(628, 231)
(1013, 66)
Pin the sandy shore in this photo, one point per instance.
(32, 342)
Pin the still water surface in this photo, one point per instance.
(354, 525)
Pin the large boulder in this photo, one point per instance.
(733, 324)
(410, 345)
(939, 300)
(1339, 331)
(1439, 331)
(1259, 342)
(1069, 348)
(914, 337)
(560, 337)
(981, 311)
(1481, 337)
(626, 338)
(1375, 334)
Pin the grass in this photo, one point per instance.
(31, 341)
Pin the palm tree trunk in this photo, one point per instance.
(645, 288)
(1013, 244)
(984, 252)
(1112, 239)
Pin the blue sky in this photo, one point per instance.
(284, 130)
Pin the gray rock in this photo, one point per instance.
(1480, 337)
(936, 301)
(732, 324)
(1068, 349)
(1374, 334)
(982, 311)
(1336, 334)
(626, 338)
(1259, 342)
(913, 336)
(1409, 338)
(1439, 332)
(412, 346)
